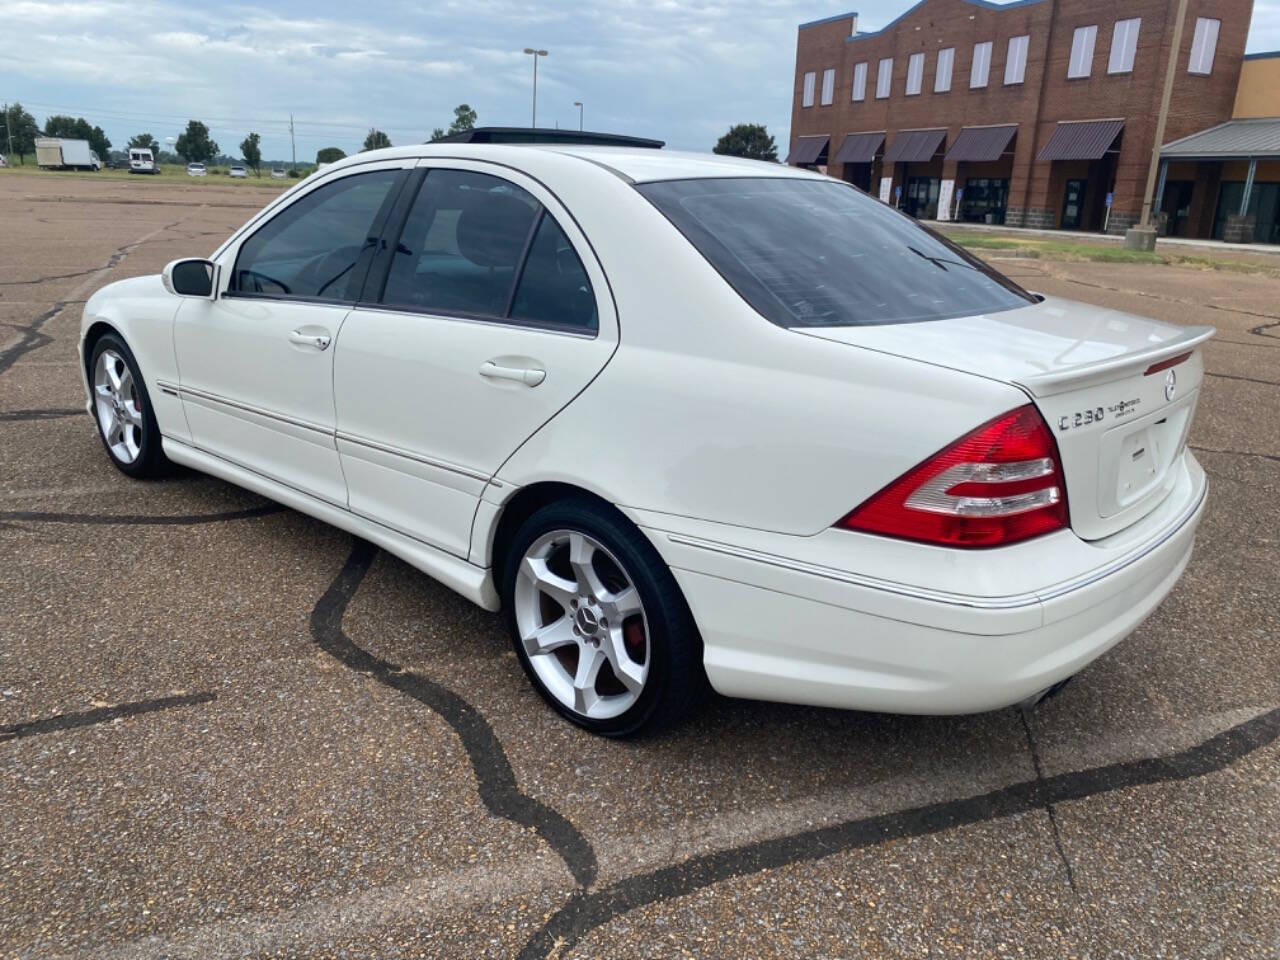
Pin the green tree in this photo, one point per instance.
(376, 140)
(750, 140)
(437, 134)
(464, 118)
(252, 153)
(77, 128)
(329, 155)
(194, 146)
(21, 130)
(145, 141)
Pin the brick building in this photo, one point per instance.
(1029, 113)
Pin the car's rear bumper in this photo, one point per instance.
(775, 629)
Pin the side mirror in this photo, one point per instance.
(190, 278)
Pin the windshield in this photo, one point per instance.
(808, 253)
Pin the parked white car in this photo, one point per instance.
(681, 417)
(196, 170)
(238, 171)
(277, 173)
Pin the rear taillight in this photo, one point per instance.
(997, 485)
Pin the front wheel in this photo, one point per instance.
(598, 621)
(122, 410)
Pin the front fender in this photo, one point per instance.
(141, 312)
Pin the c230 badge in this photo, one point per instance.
(1117, 411)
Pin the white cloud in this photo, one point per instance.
(679, 71)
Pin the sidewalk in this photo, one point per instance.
(1265, 248)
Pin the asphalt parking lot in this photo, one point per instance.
(228, 730)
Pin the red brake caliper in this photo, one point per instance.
(633, 636)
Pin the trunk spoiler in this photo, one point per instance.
(1103, 371)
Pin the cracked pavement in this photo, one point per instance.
(228, 730)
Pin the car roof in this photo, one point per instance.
(635, 164)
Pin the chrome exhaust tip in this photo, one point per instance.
(1033, 701)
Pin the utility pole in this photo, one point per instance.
(578, 104)
(293, 150)
(535, 54)
(7, 129)
(1143, 237)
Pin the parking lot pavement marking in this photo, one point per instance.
(70, 721)
(495, 780)
(586, 910)
(160, 520)
(30, 336)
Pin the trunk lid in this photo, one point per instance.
(1118, 391)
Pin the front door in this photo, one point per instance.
(256, 363)
(1073, 205)
(481, 322)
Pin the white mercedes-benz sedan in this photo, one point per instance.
(683, 418)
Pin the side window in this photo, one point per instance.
(554, 288)
(313, 246)
(466, 249)
(461, 245)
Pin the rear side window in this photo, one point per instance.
(312, 247)
(821, 253)
(476, 245)
(461, 245)
(554, 289)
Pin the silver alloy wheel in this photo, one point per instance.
(582, 624)
(117, 405)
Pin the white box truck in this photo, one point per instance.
(56, 153)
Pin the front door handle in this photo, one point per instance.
(529, 376)
(304, 338)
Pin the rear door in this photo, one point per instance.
(256, 363)
(487, 317)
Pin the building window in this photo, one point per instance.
(915, 73)
(859, 81)
(981, 65)
(1015, 66)
(884, 78)
(1124, 44)
(946, 60)
(1081, 64)
(809, 79)
(828, 87)
(1203, 46)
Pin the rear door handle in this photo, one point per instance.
(303, 338)
(529, 376)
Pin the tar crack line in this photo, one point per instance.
(495, 779)
(585, 911)
(70, 721)
(144, 520)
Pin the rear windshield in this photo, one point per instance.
(810, 253)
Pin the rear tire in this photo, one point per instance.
(598, 621)
(122, 410)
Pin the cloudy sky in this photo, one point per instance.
(679, 71)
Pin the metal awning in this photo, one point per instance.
(1081, 140)
(1239, 139)
(914, 146)
(807, 149)
(981, 144)
(859, 148)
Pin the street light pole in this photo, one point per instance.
(578, 104)
(535, 54)
(1171, 71)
